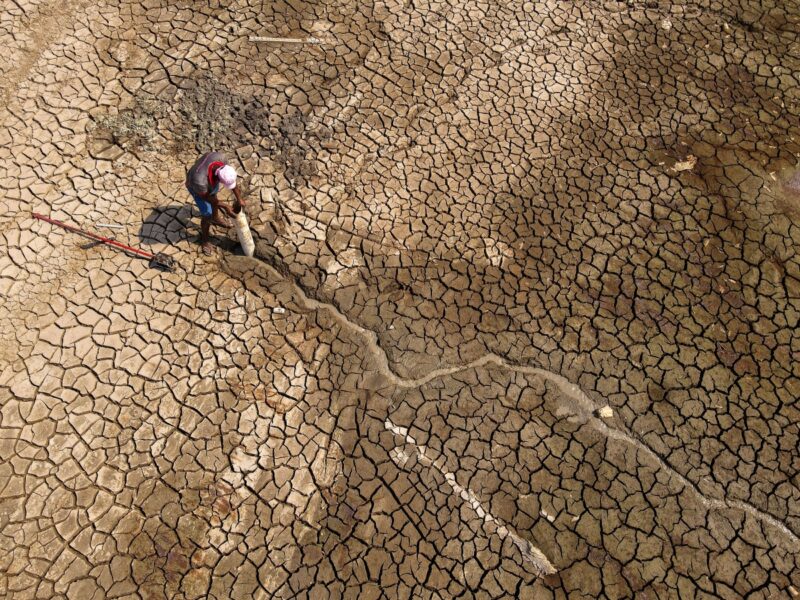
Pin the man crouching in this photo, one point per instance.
(203, 181)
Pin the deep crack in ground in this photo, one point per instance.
(578, 400)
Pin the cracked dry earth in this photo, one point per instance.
(488, 221)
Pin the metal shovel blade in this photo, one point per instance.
(163, 262)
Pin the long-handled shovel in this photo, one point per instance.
(158, 260)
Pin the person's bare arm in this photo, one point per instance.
(239, 203)
(220, 205)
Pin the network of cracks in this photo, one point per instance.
(522, 320)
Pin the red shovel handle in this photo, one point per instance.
(94, 236)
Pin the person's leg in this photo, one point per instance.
(216, 218)
(206, 212)
(205, 227)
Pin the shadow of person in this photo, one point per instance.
(169, 224)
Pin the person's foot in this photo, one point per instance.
(207, 248)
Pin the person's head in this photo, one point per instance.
(227, 176)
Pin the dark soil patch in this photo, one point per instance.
(206, 115)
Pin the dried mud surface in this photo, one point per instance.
(522, 322)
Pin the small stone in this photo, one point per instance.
(279, 310)
(685, 165)
(606, 412)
